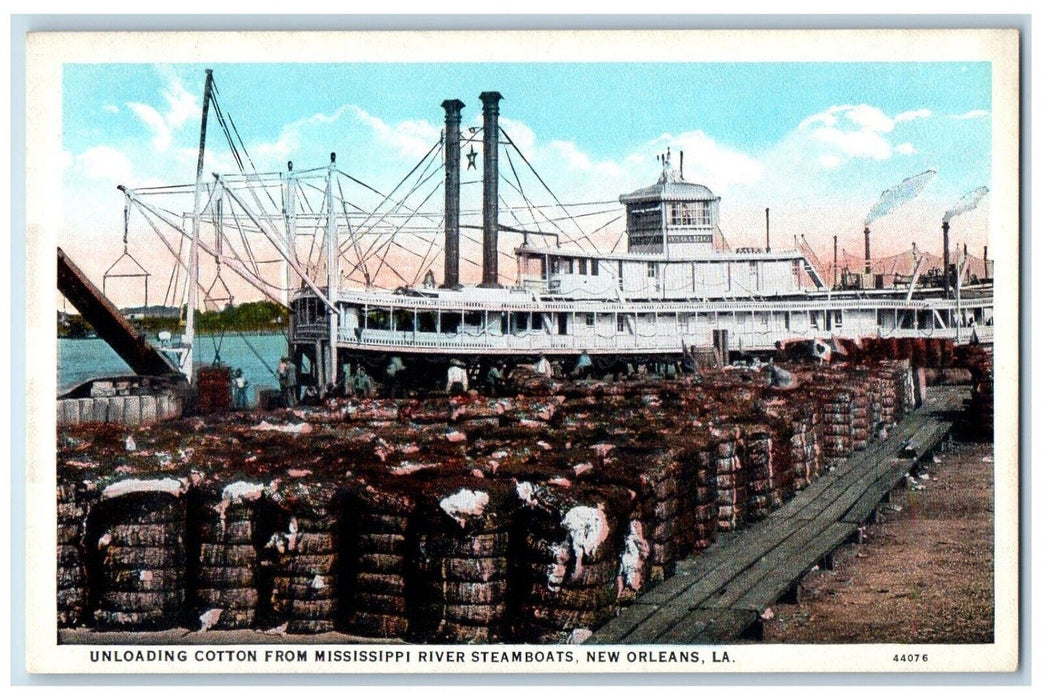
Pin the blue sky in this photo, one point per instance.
(815, 142)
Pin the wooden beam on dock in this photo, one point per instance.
(129, 343)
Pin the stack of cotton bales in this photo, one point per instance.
(463, 555)
(137, 530)
(305, 594)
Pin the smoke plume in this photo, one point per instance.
(897, 195)
(968, 201)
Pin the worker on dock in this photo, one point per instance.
(239, 384)
(456, 380)
(394, 371)
(542, 366)
(288, 382)
(494, 379)
(780, 378)
(362, 384)
(583, 366)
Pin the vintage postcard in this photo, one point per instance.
(514, 352)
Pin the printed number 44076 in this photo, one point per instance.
(911, 658)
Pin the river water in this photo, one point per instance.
(87, 358)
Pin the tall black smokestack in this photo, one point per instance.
(490, 197)
(452, 156)
(985, 262)
(768, 211)
(944, 228)
(868, 253)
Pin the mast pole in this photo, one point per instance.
(333, 274)
(291, 231)
(193, 251)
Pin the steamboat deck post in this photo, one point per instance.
(490, 191)
(835, 259)
(329, 376)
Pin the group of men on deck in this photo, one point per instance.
(457, 380)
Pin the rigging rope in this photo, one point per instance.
(547, 187)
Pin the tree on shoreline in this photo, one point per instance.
(252, 316)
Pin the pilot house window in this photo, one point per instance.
(690, 214)
(644, 218)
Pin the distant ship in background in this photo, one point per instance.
(675, 285)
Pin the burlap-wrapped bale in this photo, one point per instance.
(568, 562)
(232, 581)
(308, 552)
(378, 558)
(462, 560)
(137, 564)
(75, 501)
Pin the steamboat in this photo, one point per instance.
(671, 285)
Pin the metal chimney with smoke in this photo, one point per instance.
(453, 109)
(490, 191)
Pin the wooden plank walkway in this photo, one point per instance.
(719, 595)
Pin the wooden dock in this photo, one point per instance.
(720, 594)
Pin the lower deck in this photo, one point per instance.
(386, 324)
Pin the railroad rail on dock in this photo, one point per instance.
(720, 594)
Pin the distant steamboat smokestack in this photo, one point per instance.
(490, 198)
(868, 252)
(452, 157)
(944, 229)
(768, 213)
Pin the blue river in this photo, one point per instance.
(87, 358)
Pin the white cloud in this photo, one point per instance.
(707, 161)
(845, 132)
(161, 134)
(857, 144)
(870, 119)
(410, 138)
(182, 105)
(519, 132)
(972, 114)
(913, 114)
(105, 163)
(285, 145)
